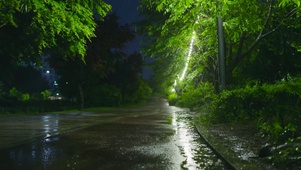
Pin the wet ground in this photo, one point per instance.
(155, 136)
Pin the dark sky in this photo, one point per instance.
(127, 10)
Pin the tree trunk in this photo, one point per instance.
(81, 93)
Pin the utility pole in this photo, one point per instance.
(221, 52)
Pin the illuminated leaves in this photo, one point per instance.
(284, 3)
(70, 20)
(246, 23)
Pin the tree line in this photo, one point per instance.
(84, 42)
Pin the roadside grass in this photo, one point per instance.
(34, 110)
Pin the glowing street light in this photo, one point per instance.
(187, 61)
(189, 56)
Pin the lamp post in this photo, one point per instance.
(221, 52)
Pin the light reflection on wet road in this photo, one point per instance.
(155, 136)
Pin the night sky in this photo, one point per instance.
(125, 9)
(128, 12)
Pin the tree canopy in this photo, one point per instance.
(246, 24)
(107, 76)
(29, 28)
(48, 23)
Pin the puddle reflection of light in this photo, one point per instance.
(50, 125)
(46, 154)
(184, 138)
(174, 121)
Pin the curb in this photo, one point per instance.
(227, 162)
(230, 158)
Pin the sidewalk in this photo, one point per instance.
(238, 145)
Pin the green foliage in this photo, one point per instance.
(172, 98)
(195, 97)
(14, 92)
(46, 94)
(287, 156)
(169, 34)
(105, 63)
(16, 95)
(275, 107)
(262, 44)
(25, 97)
(15, 102)
(102, 95)
(53, 22)
(143, 93)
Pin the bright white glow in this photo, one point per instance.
(189, 56)
(47, 71)
(174, 86)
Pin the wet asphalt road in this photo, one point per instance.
(154, 136)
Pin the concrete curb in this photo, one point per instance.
(229, 164)
(226, 154)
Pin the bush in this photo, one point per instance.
(25, 97)
(172, 99)
(16, 102)
(193, 97)
(276, 108)
(46, 94)
(143, 93)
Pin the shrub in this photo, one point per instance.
(142, 93)
(172, 99)
(276, 108)
(46, 94)
(25, 97)
(193, 97)
(14, 93)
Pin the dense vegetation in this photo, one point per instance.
(262, 43)
(83, 44)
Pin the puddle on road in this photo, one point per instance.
(196, 153)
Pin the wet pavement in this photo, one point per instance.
(154, 136)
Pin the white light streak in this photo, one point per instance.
(189, 56)
(174, 86)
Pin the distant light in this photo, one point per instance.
(47, 71)
(67, 82)
(57, 94)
